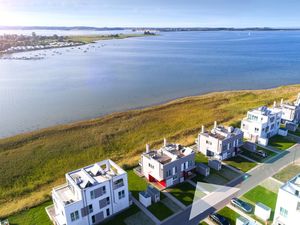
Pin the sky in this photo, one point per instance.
(151, 13)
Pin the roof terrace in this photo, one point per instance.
(293, 186)
(221, 133)
(168, 152)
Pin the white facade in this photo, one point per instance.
(288, 203)
(290, 111)
(262, 211)
(221, 142)
(261, 124)
(90, 194)
(169, 165)
(145, 199)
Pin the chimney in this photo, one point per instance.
(297, 103)
(202, 129)
(281, 102)
(215, 125)
(147, 148)
(165, 142)
(274, 105)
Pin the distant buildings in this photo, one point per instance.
(261, 124)
(290, 111)
(90, 195)
(221, 142)
(169, 165)
(288, 203)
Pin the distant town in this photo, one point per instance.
(12, 43)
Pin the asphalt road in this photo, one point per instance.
(245, 184)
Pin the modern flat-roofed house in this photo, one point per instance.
(169, 165)
(287, 210)
(290, 111)
(221, 142)
(90, 195)
(261, 124)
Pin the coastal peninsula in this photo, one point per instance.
(13, 43)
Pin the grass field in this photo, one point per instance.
(136, 184)
(184, 192)
(297, 132)
(287, 173)
(92, 38)
(34, 216)
(32, 163)
(229, 214)
(256, 157)
(119, 219)
(240, 163)
(263, 195)
(216, 177)
(160, 211)
(280, 142)
(203, 223)
(221, 177)
(200, 158)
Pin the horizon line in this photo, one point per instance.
(145, 27)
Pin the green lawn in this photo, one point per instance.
(160, 211)
(33, 216)
(263, 195)
(297, 132)
(200, 158)
(136, 184)
(229, 214)
(287, 173)
(280, 142)
(203, 223)
(257, 158)
(217, 177)
(240, 163)
(119, 219)
(184, 192)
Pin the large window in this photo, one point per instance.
(92, 194)
(90, 208)
(283, 212)
(118, 183)
(93, 219)
(121, 194)
(151, 166)
(252, 117)
(168, 173)
(74, 216)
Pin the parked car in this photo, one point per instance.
(262, 153)
(218, 219)
(241, 205)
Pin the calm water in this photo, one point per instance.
(121, 74)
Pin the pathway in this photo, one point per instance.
(146, 211)
(179, 203)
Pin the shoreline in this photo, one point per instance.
(79, 40)
(140, 108)
(39, 159)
